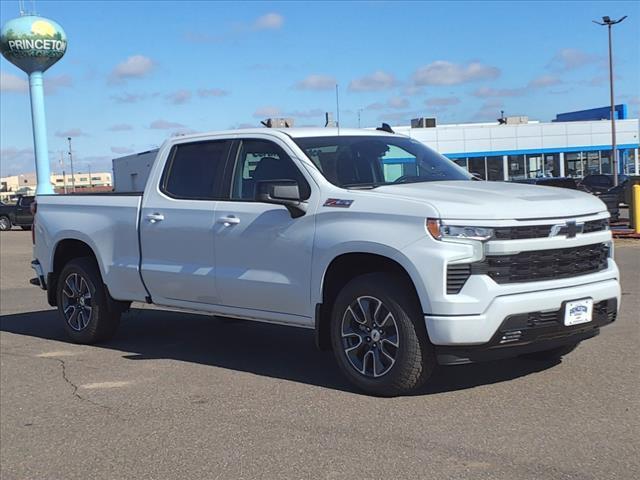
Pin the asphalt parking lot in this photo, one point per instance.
(176, 395)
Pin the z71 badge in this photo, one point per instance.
(337, 202)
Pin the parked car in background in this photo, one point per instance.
(18, 214)
(563, 182)
(601, 183)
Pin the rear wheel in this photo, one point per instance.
(83, 303)
(379, 336)
(553, 354)
(5, 223)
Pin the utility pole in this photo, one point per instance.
(359, 113)
(90, 181)
(614, 151)
(64, 177)
(73, 178)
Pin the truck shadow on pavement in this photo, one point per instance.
(268, 350)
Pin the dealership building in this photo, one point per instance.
(575, 144)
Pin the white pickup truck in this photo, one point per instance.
(397, 257)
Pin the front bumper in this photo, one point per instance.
(531, 332)
(457, 330)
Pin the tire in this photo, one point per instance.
(5, 223)
(553, 354)
(90, 316)
(394, 356)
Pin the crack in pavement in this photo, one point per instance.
(67, 380)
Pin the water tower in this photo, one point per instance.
(33, 44)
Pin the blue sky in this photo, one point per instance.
(137, 72)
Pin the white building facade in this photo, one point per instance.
(534, 149)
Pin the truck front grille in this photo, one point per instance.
(542, 231)
(539, 265)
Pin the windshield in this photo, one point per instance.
(368, 161)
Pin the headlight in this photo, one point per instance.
(441, 231)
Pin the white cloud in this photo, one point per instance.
(398, 102)
(136, 66)
(378, 80)
(121, 150)
(120, 127)
(128, 97)
(544, 81)
(212, 92)
(442, 72)
(268, 111)
(12, 83)
(165, 125)
(442, 101)
(312, 113)
(403, 117)
(270, 21)
(316, 82)
(489, 111)
(375, 106)
(179, 97)
(571, 59)
(72, 132)
(487, 92)
(15, 160)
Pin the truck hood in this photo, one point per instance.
(496, 200)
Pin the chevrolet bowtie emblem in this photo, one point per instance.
(569, 229)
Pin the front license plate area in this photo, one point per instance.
(578, 311)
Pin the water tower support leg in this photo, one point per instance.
(43, 169)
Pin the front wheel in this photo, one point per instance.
(379, 337)
(83, 303)
(5, 224)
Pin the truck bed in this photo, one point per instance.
(108, 223)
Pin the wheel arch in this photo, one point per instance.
(347, 265)
(65, 250)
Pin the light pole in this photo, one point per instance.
(73, 178)
(609, 23)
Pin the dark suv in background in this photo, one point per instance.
(601, 183)
(18, 215)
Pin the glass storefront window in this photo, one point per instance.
(573, 165)
(534, 166)
(516, 167)
(495, 168)
(462, 162)
(593, 163)
(605, 162)
(477, 166)
(552, 165)
(629, 161)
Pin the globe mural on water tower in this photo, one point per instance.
(33, 44)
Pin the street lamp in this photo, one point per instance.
(609, 23)
(73, 178)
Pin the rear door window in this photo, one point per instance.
(194, 170)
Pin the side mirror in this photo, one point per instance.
(282, 192)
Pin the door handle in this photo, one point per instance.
(155, 217)
(230, 220)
